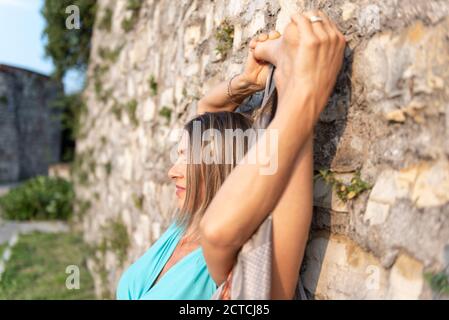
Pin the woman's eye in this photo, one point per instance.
(182, 159)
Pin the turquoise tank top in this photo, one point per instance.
(188, 279)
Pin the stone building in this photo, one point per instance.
(30, 130)
(381, 220)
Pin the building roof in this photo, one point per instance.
(13, 69)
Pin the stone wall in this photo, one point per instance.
(30, 130)
(381, 221)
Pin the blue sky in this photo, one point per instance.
(21, 42)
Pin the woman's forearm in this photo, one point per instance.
(217, 99)
(247, 196)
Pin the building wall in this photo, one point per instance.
(30, 130)
(387, 121)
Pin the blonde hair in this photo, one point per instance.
(209, 177)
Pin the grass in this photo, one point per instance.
(37, 268)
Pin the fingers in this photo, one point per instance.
(340, 36)
(304, 28)
(318, 27)
(326, 31)
(326, 23)
(273, 35)
(262, 37)
(253, 43)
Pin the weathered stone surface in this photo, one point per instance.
(388, 118)
(431, 188)
(337, 259)
(426, 185)
(406, 278)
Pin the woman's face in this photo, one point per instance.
(179, 170)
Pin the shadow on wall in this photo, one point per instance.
(328, 133)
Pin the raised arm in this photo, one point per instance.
(217, 99)
(251, 80)
(307, 68)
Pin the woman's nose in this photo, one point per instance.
(174, 172)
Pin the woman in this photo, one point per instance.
(221, 208)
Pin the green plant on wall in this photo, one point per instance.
(82, 206)
(83, 178)
(78, 173)
(438, 282)
(108, 168)
(104, 97)
(110, 55)
(92, 165)
(103, 141)
(138, 201)
(131, 108)
(98, 254)
(166, 113)
(116, 110)
(106, 20)
(83, 167)
(153, 86)
(98, 74)
(116, 239)
(134, 7)
(225, 37)
(344, 191)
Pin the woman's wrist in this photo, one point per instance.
(241, 86)
(301, 105)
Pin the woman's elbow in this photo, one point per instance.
(218, 236)
(200, 107)
(210, 233)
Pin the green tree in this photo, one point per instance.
(68, 48)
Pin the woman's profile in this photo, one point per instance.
(222, 202)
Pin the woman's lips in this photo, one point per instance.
(179, 190)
